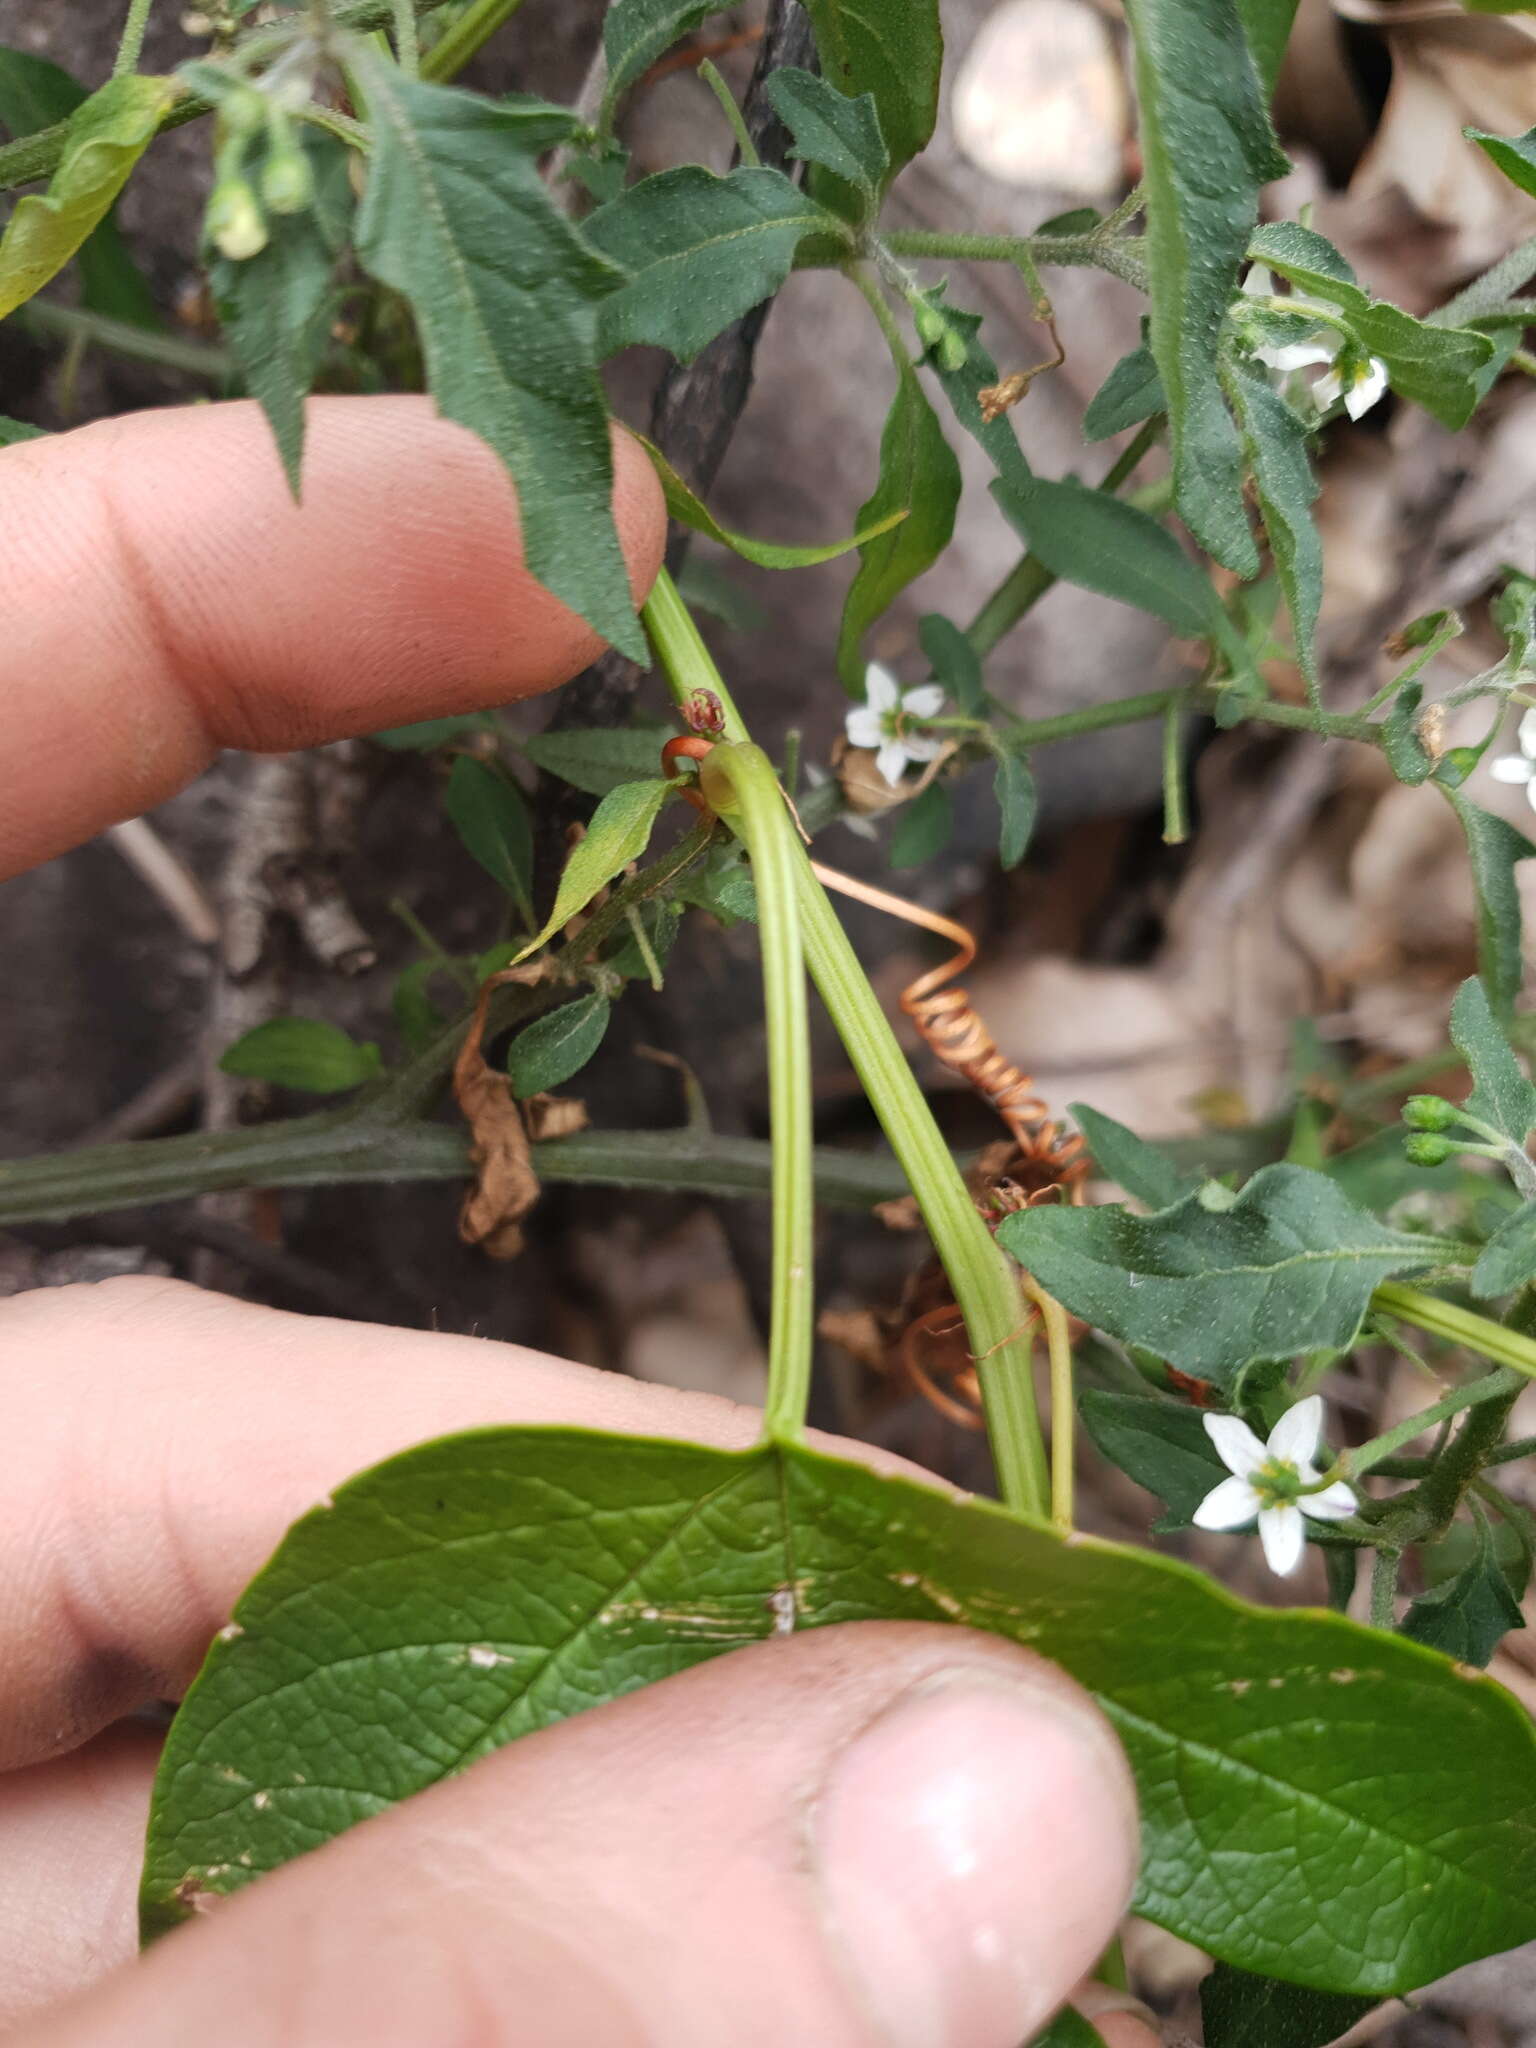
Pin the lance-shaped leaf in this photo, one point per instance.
(637, 32)
(1208, 147)
(1219, 1280)
(894, 52)
(107, 135)
(1267, 25)
(920, 476)
(1014, 788)
(491, 818)
(1243, 2011)
(1147, 1175)
(302, 1052)
(485, 1586)
(1131, 393)
(556, 1046)
(839, 134)
(701, 251)
(1101, 543)
(1501, 1093)
(767, 554)
(505, 293)
(1493, 848)
(1515, 155)
(619, 832)
(1275, 442)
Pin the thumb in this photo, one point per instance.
(874, 1836)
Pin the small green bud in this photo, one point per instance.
(1429, 1113)
(287, 183)
(235, 224)
(1425, 1148)
(243, 111)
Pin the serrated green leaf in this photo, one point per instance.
(842, 135)
(637, 32)
(1275, 443)
(919, 476)
(894, 51)
(1501, 1093)
(1515, 155)
(683, 505)
(476, 1589)
(1468, 1615)
(505, 292)
(107, 135)
(1131, 393)
(1147, 1175)
(491, 818)
(922, 827)
(1508, 1259)
(1436, 367)
(1289, 1266)
(557, 1045)
(1208, 147)
(1101, 543)
(619, 833)
(304, 1053)
(700, 251)
(1242, 2011)
(599, 758)
(1014, 787)
(954, 661)
(1162, 1445)
(1493, 848)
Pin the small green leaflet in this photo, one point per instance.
(1501, 1093)
(556, 1046)
(1494, 846)
(1436, 367)
(1086, 537)
(1208, 147)
(701, 251)
(637, 32)
(1014, 787)
(919, 476)
(1467, 1615)
(491, 818)
(619, 832)
(1275, 442)
(767, 554)
(598, 758)
(922, 828)
(304, 1053)
(505, 292)
(1147, 1175)
(1287, 1265)
(475, 1589)
(841, 135)
(1240, 2011)
(954, 662)
(894, 51)
(1131, 393)
(1508, 1259)
(107, 135)
(1515, 155)
(1162, 1445)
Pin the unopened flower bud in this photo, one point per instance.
(243, 111)
(703, 713)
(287, 183)
(235, 224)
(1425, 1148)
(1428, 1113)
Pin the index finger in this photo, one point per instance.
(165, 597)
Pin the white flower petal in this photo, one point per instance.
(1294, 355)
(1227, 1506)
(926, 701)
(864, 727)
(881, 688)
(922, 746)
(1331, 1505)
(1327, 390)
(1367, 388)
(1284, 1537)
(1236, 1445)
(1296, 1436)
(1526, 735)
(1259, 283)
(1511, 768)
(891, 761)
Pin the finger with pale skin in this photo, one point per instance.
(166, 597)
(873, 1836)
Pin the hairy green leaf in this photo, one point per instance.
(637, 32)
(476, 1589)
(557, 1045)
(1515, 155)
(1287, 1265)
(1101, 543)
(1162, 1445)
(1494, 847)
(505, 293)
(108, 133)
(1469, 1614)
(1275, 442)
(841, 135)
(599, 758)
(893, 51)
(1406, 754)
(953, 351)
(954, 662)
(1131, 393)
(1208, 147)
(919, 476)
(1241, 2011)
(922, 827)
(304, 1053)
(491, 818)
(1014, 787)
(1508, 1259)
(700, 251)
(1501, 1093)
(619, 832)
(1147, 1175)
(767, 554)
(1267, 25)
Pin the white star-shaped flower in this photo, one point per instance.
(1268, 1480)
(1519, 767)
(881, 722)
(1361, 384)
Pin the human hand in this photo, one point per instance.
(871, 1834)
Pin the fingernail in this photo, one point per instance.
(976, 1847)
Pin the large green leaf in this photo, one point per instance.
(1147, 1175)
(1275, 441)
(505, 293)
(1515, 155)
(701, 251)
(767, 554)
(478, 1588)
(919, 475)
(841, 135)
(637, 32)
(1208, 147)
(1101, 543)
(1219, 1280)
(1241, 2011)
(893, 50)
(1494, 847)
(107, 135)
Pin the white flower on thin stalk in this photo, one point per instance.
(1519, 767)
(882, 722)
(1268, 1482)
(1360, 383)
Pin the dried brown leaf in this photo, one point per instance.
(506, 1186)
